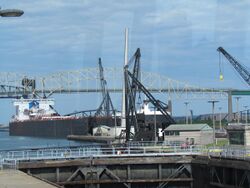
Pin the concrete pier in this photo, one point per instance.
(97, 139)
(19, 179)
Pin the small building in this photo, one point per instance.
(200, 134)
(104, 130)
(238, 134)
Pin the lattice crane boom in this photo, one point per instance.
(244, 73)
(106, 104)
(158, 104)
(133, 85)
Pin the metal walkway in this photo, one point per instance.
(10, 159)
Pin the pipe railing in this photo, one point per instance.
(83, 152)
(12, 158)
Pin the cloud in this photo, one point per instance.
(178, 39)
(170, 34)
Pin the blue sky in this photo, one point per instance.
(178, 39)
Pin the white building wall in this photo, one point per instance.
(200, 137)
(206, 137)
(247, 138)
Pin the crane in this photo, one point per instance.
(106, 105)
(131, 92)
(132, 86)
(244, 73)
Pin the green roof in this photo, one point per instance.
(188, 127)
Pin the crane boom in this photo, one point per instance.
(133, 86)
(102, 80)
(238, 67)
(131, 91)
(106, 104)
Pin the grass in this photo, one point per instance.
(220, 143)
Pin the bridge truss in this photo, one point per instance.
(87, 81)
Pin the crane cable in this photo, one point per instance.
(220, 68)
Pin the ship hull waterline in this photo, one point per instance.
(59, 128)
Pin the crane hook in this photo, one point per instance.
(220, 68)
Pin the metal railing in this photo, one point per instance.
(239, 153)
(10, 159)
(14, 157)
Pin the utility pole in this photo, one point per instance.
(191, 116)
(155, 127)
(115, 124)
(186, 104)
(246, 114)
(220, 118)
(237, 106)
(213, 102)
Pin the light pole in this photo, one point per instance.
(11, 12)
(213, 102)
(191, 116)
(115, 122)
(237, 106)
(186, 104)
(155, 128)
(246, 114)
(220, 118)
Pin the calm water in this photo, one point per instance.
(20, 142)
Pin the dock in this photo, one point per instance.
(98, 139)
(127, 166)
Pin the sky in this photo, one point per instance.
(178, 39)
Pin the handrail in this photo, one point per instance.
(16, 156)
(83, 152)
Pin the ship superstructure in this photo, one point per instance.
(27, 109)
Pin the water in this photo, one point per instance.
(20, 142)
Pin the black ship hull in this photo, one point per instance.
(56, 128)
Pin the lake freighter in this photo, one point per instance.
(37, 118)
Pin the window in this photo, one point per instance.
(236, 138)
(177, 133)
(172, 133)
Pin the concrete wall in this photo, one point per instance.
(220, 172)
(133, 172)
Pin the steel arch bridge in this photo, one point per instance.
(87, 80)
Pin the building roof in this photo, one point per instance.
(237, 127)
(188, 127)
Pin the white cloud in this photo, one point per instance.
(170, 33)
